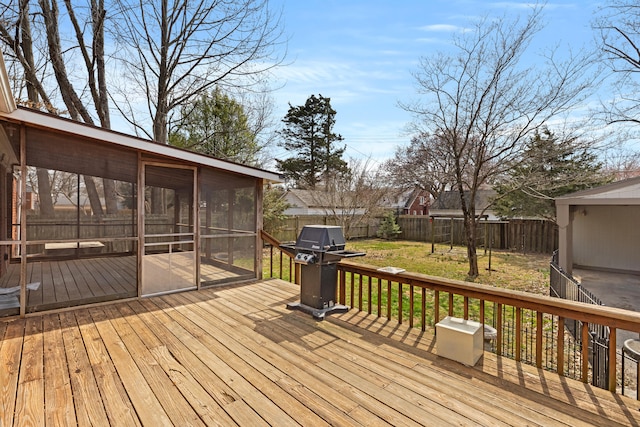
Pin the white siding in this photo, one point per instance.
(607, 237)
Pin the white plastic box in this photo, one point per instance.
(460, 340)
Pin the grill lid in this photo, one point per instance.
(320, 238)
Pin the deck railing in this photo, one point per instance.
(563, 285)
(528, 327)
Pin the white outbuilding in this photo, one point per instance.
(599, 228)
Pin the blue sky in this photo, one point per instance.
(361, 54)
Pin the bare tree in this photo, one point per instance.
(618, 27)
(175, 50)
(622, 164)
(21, 21)
(259, 107)
(422, 163)
(352, 199)
(482, 102)
(16, 34)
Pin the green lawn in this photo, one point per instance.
(509, 270)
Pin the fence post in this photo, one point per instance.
(451, 247)
(433, 244)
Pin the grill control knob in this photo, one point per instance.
(303, 258)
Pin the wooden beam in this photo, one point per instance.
(518, 334)
(259, 224)
(400, 302)
(379, 296)
(612, 360)
(23, 221)
(584, 334)
(360, 293)
(560, 347)
(369, 281)
(141, 219)
(499, 330)
(423, 309)
(411, 314)
(389, 299)
(450, 303)
(195, 224)
(539, 321)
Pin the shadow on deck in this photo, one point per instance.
(236, 356)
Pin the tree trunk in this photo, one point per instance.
(110, 196)
(44, 193)
(157, 201)
(71, 99)
(94, 197)
(470, 235)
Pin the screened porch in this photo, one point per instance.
(77, 229)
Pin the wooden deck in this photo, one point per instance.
(76, 281)
(237, 356)
(72, 282)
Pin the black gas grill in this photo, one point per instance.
(318, 250)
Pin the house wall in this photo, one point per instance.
(4, 208)
(607, 237)
(417, 208)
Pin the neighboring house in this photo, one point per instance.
(303, 202)
(315, 202)
(448, 205)
(416, 202)
(409, 202)
(598, 228)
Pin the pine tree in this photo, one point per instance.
(308, 135)
(548, 168)
(389, 228)
(217, 125)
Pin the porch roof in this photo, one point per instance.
(625, 192)
(235, 355)
(76, 129)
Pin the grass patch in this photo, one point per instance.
(509, 270)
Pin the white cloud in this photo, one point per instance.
(440, 28)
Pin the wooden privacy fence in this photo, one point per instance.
(523, 235)
(527, 236)
(290, 227)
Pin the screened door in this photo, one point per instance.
(168, 256)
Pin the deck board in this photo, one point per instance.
(237, 356)
(30, 401)
(276, 369)
(211, 350)
(306, 369)
(10, 358)
(89, 410)
(58, 395)
(71, 282)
